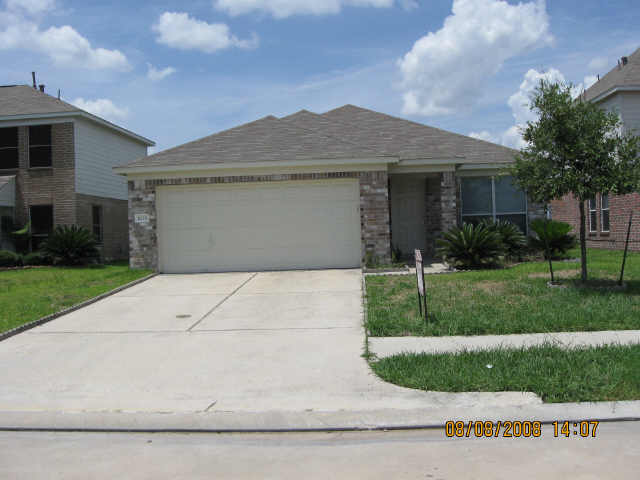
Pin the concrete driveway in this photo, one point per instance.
(234, 342)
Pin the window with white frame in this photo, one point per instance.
(593, 215)
(495, 198)
(604, 213)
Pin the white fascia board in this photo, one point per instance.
(484, 166)
(62, 116)
(611, 91)
(322, 164)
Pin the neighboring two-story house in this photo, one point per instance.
(608, 215)
(56, 165)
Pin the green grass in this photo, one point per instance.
(26, 295)
(555, 374)
(512, 300)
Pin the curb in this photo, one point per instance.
(311, 421)
(53, 316)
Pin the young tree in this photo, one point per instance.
(576, 148)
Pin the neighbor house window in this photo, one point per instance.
(593, 215)
(96, 215)
(604, 213)
(493, 198)
(8, 148)
(41, 224)
(40, 146)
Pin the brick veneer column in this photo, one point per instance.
(143, 237)
(374, 215)
(448, 201)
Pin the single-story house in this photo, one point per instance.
(313, 191)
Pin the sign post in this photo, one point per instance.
(422, 289)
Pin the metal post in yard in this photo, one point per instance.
(626, 249)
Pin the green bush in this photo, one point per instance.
(36, 258)
(9, 259)
(71, 245)
(556, 233)
(512, 238)
(471, 246)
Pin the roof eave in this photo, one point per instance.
(612, 90)
(129, 170)
(83, 114)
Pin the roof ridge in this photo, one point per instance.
(466, 137)
(343, 140)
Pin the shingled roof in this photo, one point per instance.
(265, 140)
(346, 133)
(620, 76)
(25, 100)
(22, 101)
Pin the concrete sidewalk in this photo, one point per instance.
(388, 346)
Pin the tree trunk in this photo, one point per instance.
(583, 241)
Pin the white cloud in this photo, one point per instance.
(519, 103)
(484, 135)
(64, 45)
(156, 75)
(102, 107)
(179, 30)
(445, 72)
(590, 80)
(287, 8)
(598, 63)
(31, 6)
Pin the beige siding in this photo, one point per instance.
(630, 110)
(98, 150)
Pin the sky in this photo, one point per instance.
(176, 71)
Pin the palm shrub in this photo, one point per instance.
(71, 245)
(471, 246)
(555, 233)
(9, 259)
(512, 238)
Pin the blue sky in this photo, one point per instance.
(175, 71)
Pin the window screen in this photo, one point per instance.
(96, 215)
(41, 224)
(604, 213)
(493, 198)
(593, 215)
(8, 148)
(40, 146)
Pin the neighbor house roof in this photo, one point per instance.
(348, 133)
(20, 102)
(621, 77)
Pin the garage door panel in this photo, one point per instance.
(259, 226)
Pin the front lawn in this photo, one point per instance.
(557, 375)
(26, 295)
(512, 300)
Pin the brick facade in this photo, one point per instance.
(620, 206)
(55, 186)
(48, 186)
(374, 210)
(115, 232)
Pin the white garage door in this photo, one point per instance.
(259, 226)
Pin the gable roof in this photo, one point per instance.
(621, 76)
(399, 137)
(266, 140)
(19, 102)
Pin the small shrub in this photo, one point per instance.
(557, 234)
(71, 245)
(36, 258)
(471, 246)
(512, 238)
(371, 260)
(9, 259)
